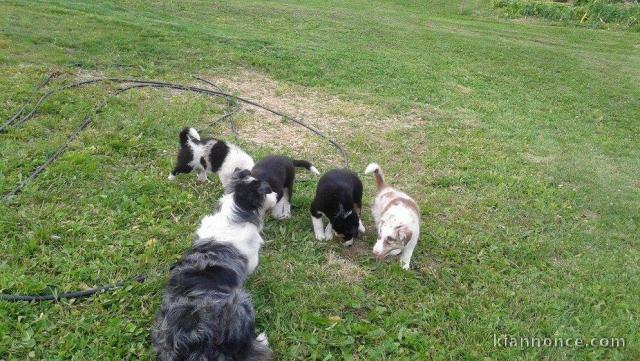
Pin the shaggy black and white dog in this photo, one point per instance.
(339, 198)
(209, 155)
(206, 315)
(279, 172)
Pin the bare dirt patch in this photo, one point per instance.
(463, 89)
(343, 270)
(335, 117)
(84, 74)
(539, 159)
(360, 249)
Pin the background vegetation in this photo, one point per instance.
(592, 13)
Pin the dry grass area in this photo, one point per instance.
(343, 270)
(337, 118)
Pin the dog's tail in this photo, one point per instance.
(377, 172)
(187, 133)
(306, 165)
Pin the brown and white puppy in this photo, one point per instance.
(397, 219)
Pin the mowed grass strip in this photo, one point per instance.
(520, 145)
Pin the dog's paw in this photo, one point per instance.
(171, 177)
(278, 213)
(319, 236)
(361, 228)
(348, 243)
(262, 338)
(405, 265)
(328, 232)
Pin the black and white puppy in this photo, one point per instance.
(206, 314)
(209, 155)
(339, 198)
(279, 172)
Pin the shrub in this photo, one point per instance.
(590, 12)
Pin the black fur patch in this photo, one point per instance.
(184, 136)
(337, 193)
(207, 279)
(185, 155)
(278, 171)
(208, 266)
(248, 197)
(217, 155)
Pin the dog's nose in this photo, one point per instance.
(378, 256)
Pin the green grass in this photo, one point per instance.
(525, 163)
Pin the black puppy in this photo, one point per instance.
(279, 172)
(339, 198)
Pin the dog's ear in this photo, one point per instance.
(239, 174)
(342, 213)
(402, 233)
(264, 188)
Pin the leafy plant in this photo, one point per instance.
(596, 13)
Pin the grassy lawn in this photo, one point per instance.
(518, 139)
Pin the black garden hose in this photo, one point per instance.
(233, 106)
(75, 294)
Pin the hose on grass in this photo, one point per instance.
(233, 106)
(75, 294)
(10, 121)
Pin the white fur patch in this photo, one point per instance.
(286, 206)
(317, 228)
(372, 167)
(199, 151)
(243, 236)
(378, 248)
(171, 177)
(202, 175)
(328, 232)
(262, 338)
(236, 158)
(314, 170)
(282, 209)
(270, 200)
(278, 210)
(194, 133)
